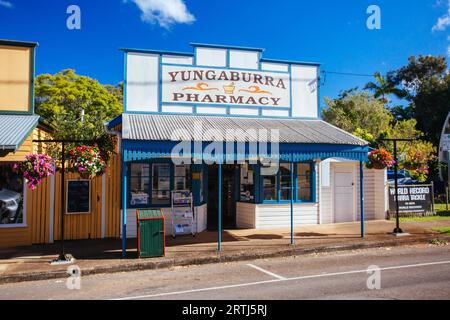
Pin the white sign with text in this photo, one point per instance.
(213, 86)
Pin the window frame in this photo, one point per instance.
(151, 162)
(24, 208)
(253, 168)
(278, 186)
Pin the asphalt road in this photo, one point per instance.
(418, 272)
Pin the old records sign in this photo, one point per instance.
(411, 199)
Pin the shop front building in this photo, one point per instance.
(242, 134)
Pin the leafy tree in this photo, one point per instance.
(369, 118)
(425, 82)
(356, 109)
(77, 106)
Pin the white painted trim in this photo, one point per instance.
(15, 225)
(103, 225)
(51, 236)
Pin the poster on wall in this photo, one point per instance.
(411, 199)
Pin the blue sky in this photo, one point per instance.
(333, 33)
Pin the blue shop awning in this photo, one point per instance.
(146, 136)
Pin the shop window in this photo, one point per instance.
(182, 177)
(11, 196)
(270, 188)
(78, 196)
(160, 184)
(139, 184)
(304, 182)
(285, 181)
(247, 184)
(277, 187)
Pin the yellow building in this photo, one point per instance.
(32, 216)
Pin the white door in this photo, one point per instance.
(344, 193)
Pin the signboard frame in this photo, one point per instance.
(427, 208)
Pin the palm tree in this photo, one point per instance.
(384, 86)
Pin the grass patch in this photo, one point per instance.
(443, 230)
(441, 215)
(441, 209)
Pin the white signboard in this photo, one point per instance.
(228, 87)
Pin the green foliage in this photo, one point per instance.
(369, 118)
(77, 107)
(356, 109)
(426, 86)
(363, 134)
(383, 87)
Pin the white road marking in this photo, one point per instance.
(266, 272)
(280, 280)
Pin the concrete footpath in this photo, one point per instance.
(104, 256)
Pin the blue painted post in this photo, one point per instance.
(292, 201)
(124, 205)
(219, 229)
(361, 190)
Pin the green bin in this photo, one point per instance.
(151, 233)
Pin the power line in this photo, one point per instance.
(348, 74)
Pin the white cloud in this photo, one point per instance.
(164, 12)
(6, 4)
(444, 21)
(448, 51)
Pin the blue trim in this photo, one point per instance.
(125, 82)
(319, 109)
(222, 68)
(158, 52)
(114, 122)
(222, 114)
(290, 62)
(216, 105)
(219, 46)
(160, 84)
(301, 152)
(361, 190)
(290, 89)
(219, 205)
(294, 185)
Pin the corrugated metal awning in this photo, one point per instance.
(155, 135)
(14, 129)
(157, 127)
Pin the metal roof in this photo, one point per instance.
(14, 129)
(158, 127)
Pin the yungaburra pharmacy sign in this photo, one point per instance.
(412, 199)
(193, 85)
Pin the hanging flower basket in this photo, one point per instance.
(380, 159)
(414, 161)
(87, 161)
(35, 168)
